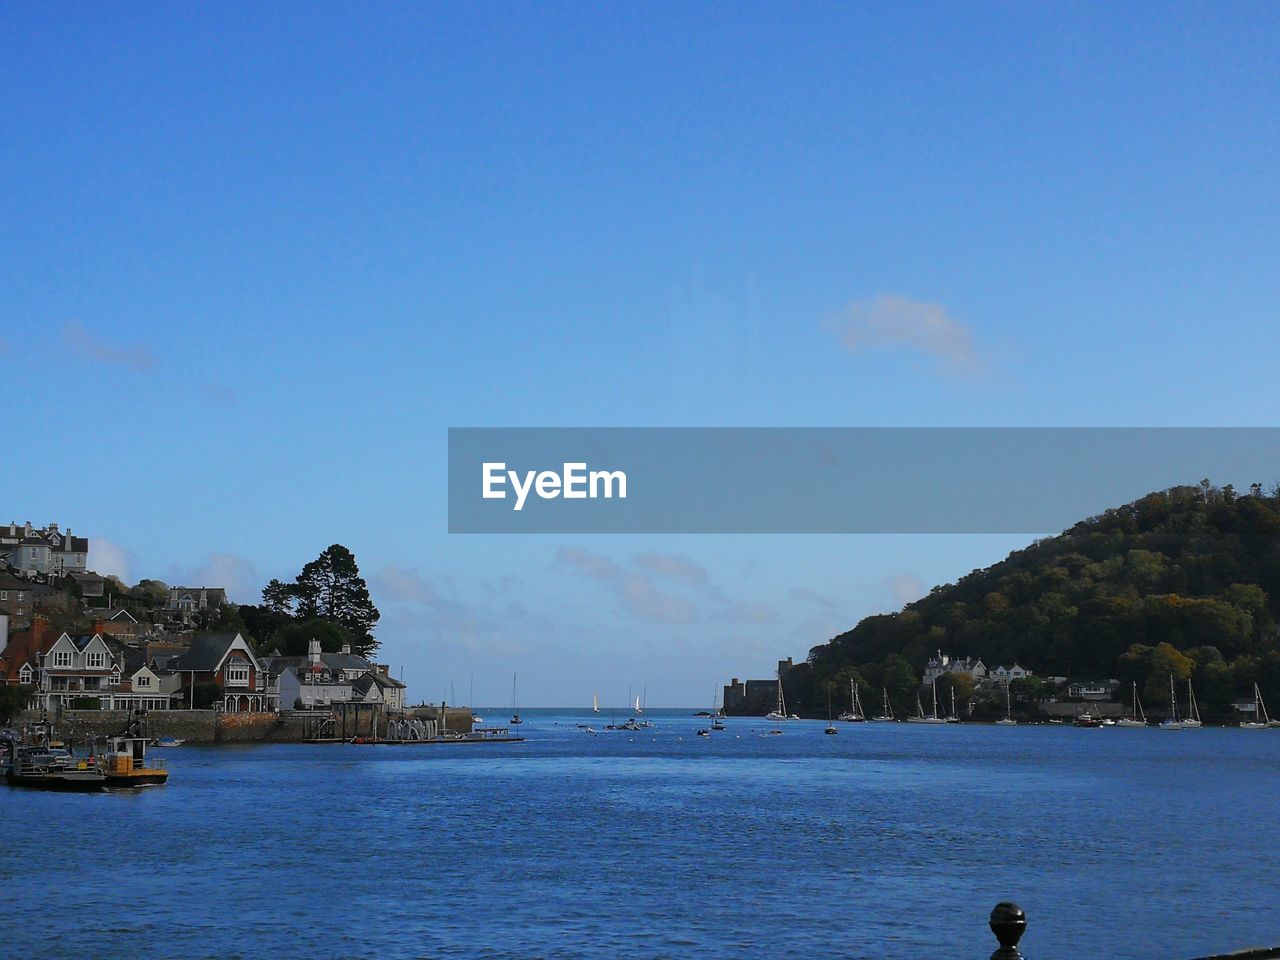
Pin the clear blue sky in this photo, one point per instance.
(255, 259)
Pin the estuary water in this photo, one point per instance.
(887, 840)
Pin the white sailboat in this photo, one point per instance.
(831, 727)
(716, 713)
(920, 715)
(780, 713)
(886, 711)
(1260, 719)
(1138, 718)
(1172, 722)
(1008, 720)
(854, 713)
(595, 703)
(953, 717)
(1193, 710)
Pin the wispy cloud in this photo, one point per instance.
(593, 565)
(905, 587)
(805, 595)
(674, 567)
(230, 571)
(108, 558)
(892, 320)
(86, 345)
(640, 596)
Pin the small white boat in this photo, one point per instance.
(168, 742)
(920, 716)
(1193, 710)
(854, 713)
(780, 713)
(1007, 720)
(595, 703)
(886, 711)
(1260, 720)
(1138, 718)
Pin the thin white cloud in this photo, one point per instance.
(82, 342)
(674, 567)
(109, 559)
(230, 571)
(805, 595)
(905, 587)
(594, 565)
(892, 320)
(641, 598)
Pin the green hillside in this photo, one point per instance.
(1184, 581)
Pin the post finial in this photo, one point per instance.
(1008, 923)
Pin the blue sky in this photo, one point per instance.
(255, 261)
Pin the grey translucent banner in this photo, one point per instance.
(858, 480)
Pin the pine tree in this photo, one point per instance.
(331, 588)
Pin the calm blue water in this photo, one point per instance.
(887, 840)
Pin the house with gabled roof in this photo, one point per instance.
(228, 660)
(77, 667)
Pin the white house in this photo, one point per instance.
(77, 667)
(943, 664)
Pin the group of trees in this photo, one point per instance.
(1183, 581)
(328, 601)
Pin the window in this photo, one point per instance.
(96, 661)
(19, 596)
(142, 681)
(62, 658)
(237, 674)
(24, 674)
(4, 594)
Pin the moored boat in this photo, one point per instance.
(43, 768)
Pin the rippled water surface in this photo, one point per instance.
(886, 840)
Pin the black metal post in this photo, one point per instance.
(1008, 923)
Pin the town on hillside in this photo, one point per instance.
(79, 645)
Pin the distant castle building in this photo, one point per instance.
(45, 551)
(754, 696)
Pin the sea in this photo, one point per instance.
(884, 840)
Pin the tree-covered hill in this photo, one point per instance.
(1184, 581)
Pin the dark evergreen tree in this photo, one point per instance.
(330, 588)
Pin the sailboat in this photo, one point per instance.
(515, 711)
(953, 717)
(931, 718)
(886, 714)
(855, 713)
(780, 713)
(831, 727)
(717, 723)
(1172, 722)
(1193, 710)
(1260, 719)
(1008, 720)
(1137, 718)
(595, 703)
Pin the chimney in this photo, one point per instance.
(313, 651)
(38, 626)
(98, 627)
(53, 528)
(346, 648)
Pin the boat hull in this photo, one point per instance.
(137, 778)
(62, 782)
